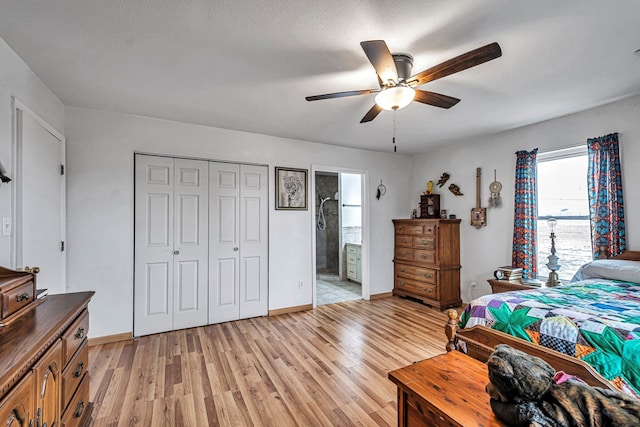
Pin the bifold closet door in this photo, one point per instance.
(171, 246)
(238, 266)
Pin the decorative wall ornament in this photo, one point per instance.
(381, 191)
(455, 190)
(478, 214)
(495, 200)
(291, 189)
(443, 179)
(3, 174)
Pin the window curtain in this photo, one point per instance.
(606, 206)
(525, 214)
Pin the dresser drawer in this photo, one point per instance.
(429, 229)
(409, 229)
(404, 240)
(427, 290)
(74, 336)
(72, 416)
(424, 256)
(16, 298)
(404, 254)
(352, 271)
(417, 273)
(424, 242)
(74, 373)
(352, 258)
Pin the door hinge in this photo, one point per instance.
(61, 246)
(61, 169)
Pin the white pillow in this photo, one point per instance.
(626, 271)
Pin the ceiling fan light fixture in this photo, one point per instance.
(395, 98)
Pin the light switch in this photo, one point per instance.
(6, 226)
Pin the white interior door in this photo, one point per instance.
(254, 246)
(153, 276)
(191, 222)
(224, 249)
(39, 229)
(171, 248)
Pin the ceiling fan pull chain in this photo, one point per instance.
(395, 148)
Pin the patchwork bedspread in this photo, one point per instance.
(595, 320)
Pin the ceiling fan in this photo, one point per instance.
(398, 87)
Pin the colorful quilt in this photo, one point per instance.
(596, 320)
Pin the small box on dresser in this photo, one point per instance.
(427, 261)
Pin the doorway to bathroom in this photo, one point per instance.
(338, 230)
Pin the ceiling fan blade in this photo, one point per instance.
(457, 64)
(371, 114)
(435, 99)
(341, 94)
(381, 59)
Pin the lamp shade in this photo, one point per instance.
(395, 98)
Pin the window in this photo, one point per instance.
(562, 194)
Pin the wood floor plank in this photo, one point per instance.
(321, 367)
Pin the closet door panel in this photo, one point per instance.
(153, 291)
(254, 241)
(224, 251)
(191, 229)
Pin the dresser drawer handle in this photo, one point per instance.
(403, 240)
(424, 257)
(423, 242)
(428, 290)
(80, 334)
(428, 275)
(402, 284)
(79, 409)
(403, 253)
(23, 297)
(79, 370)
(402, 270)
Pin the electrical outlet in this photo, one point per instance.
(300, 284)
(474, 285)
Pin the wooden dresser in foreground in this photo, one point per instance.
(427, 261)
(446, 390)
(44, 363)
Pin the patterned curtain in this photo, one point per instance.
(606, 206)
(525, 214)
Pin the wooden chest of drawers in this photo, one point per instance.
(427, 261)
(44, 376)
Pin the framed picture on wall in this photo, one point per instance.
(291, 189)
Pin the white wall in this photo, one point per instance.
(482, 250)
(100, 147)
(17, 80)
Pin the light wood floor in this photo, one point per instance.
(325, 367)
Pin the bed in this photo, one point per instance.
(589, 328)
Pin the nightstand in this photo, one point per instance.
(498, 286)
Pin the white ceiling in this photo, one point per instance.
(248, 65)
